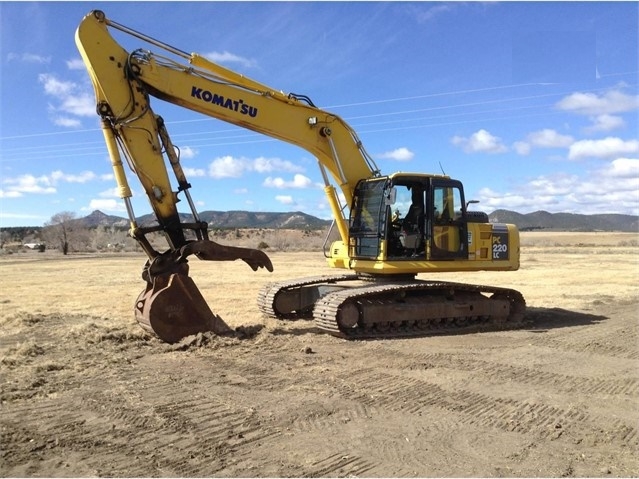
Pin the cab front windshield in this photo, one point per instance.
(368, 219)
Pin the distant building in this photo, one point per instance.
(38, 246)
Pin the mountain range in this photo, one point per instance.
(542, 220)
(219, 219)
(539, 220)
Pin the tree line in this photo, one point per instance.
(66, 233)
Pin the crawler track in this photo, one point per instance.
(284, 300)
(348, 307)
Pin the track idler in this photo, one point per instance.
(171, 306)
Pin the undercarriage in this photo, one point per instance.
(361, 307)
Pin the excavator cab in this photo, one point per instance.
(409, 217)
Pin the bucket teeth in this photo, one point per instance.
(174, 308)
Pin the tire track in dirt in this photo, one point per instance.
(359, 420)
(50, 417)
(532, 377)
(593, 346)
(268, 376)
(147, 428)
(311, 422)
(525, 418)
(78, 431)
(339, 465)
(214, 422)
(202, 424)
(242, 433)
(616, 339)
(405, 446)
(377, 389)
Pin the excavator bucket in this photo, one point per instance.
(171, 306)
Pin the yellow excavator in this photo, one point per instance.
(391, 227)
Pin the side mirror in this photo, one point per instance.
(391, 196)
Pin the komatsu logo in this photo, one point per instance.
(235, 105)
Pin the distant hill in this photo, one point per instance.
(542, 220)
(219, 219)
(539, 220)
(97, 218)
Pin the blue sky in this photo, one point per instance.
(534, 106)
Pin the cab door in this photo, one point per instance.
(448, 229)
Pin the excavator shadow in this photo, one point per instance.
(296, 331)
(536, 320)
(540, 320)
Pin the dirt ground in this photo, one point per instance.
(85, 392)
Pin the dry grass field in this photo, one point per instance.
(85, 392)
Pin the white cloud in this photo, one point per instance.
(605, 148)
(550, 186)
(231, 167)
(70, 99)
(267, 165)
(399, 154)
(492, 200)
(194, 172)
(67, 122)
(227, 57)
(299, 181)
(43, 184)
(55, 87)
(623, 168)
(5, 215)
(28, 184)
(546, 138)
(82, 177)
(10, 194)
(522, 148)
(481, 141)
(284, 199)
(613, 188)
(110, 193)
(80, 104)
(227, 167)
(106, 205)
(28, 58)
(426, 12)
(76, 64)
(613, 101)
(186, 152)
(605, 123)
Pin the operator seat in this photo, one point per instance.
(414, 219)
(413, 223)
